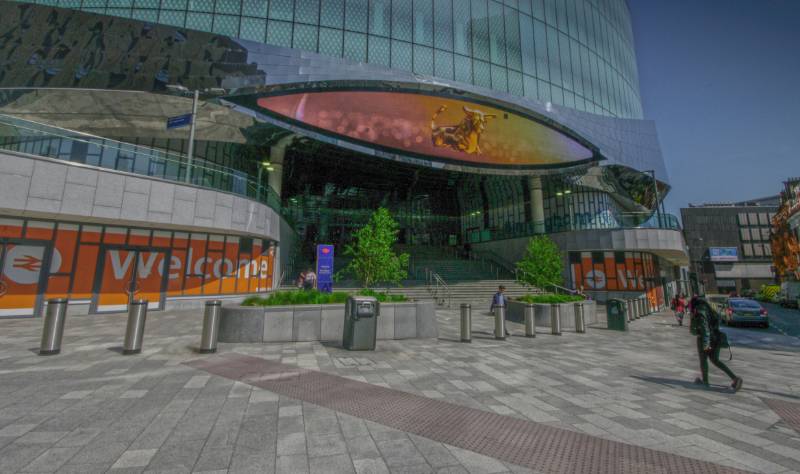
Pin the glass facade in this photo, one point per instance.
(575, 53)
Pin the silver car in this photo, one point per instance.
(745, 311)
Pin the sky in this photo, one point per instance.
(721, 79)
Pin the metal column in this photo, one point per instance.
(555, 319)
(580, 322)
(208, 341)
(134, 332)
(466, 322)
(530, 320)
(500, 322)
(53, 326)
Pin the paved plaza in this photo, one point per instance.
(91, 409)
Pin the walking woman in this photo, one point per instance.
(705, 325)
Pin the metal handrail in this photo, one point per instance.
(139, 159)
(557, 288)
(437, 286)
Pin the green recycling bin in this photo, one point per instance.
(360, 323)
(616, 314)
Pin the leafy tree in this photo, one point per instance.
(542, 264)
(374, 260)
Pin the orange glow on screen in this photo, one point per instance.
(433, 126)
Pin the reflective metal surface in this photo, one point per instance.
(500, 322)
(211, 317)
(530, 320)
(466, 322)
(555, 319)
(53, 330)
(134, 331)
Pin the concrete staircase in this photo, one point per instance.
(476, 292)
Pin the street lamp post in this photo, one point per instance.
(190, 151)
(180, 90)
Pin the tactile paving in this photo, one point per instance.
(533, 445)
(788, 411)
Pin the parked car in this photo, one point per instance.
(718, 302)
(744, 311)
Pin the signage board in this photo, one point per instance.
(325, 268)
(179, 121)
(723, 254)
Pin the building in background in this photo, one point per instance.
(730, 244)
(786, 233)
(479, 123)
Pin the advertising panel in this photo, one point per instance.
(110, 265)
(617, 271)
(433, 126)
(723, 254)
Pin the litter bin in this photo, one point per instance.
(616, 315)
(360, 323)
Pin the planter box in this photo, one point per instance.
(416, 319)
(516, 312)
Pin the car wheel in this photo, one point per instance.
(765, 325)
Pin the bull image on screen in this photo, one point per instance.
(465, 136)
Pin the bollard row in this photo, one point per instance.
(56, 315)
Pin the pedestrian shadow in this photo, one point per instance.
(682, 383)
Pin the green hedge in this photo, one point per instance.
(550, 298)
(289, 298)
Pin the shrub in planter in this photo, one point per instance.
(291, 298)
(550, 298)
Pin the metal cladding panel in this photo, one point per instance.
(626, 142)
(146, 57)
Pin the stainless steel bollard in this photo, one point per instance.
(466, 322)
(580, 322)
(642, 312)
(500, 322)
(134, 333)
(530, 320)
(53, 326)
(208, 341)
(629, 309)
(555, 319)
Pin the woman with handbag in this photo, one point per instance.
(705, 325)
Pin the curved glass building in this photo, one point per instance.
(478, 123)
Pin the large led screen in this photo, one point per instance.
(430, 125)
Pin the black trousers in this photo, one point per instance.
(714, 356)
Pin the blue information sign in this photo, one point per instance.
(723, 254)
(179, 121)
(325, 268)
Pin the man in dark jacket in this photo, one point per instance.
(705, 325)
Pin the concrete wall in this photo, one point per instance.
(322, 322)
(47, 188)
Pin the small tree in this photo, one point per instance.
(374, 260)
(542, 264)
